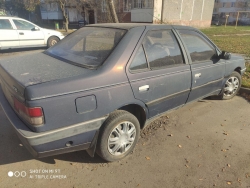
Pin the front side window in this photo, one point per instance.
(199, 48)
(162, 49)
(5, 24)
(88, 47)
(23, 25)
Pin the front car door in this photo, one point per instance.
(8, 35)
(28, 36)
(208, 69)
(158, 73)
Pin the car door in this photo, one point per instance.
(8, 35)
(208, 69)
(28, 35)
(158, 73)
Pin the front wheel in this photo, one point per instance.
(52, 41)
(118, 136)
(232, 86)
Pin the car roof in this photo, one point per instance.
(7, 17)
(128, 26)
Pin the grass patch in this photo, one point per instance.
(229, 30)
(246, 76)
(232, 40)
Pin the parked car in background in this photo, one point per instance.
(99, 86)
(19, 33)
(217, 22)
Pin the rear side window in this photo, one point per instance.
(162, 49)
(199, 48)
(5, 24)
(88, 47)
(139, 62)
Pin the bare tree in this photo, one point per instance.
(30, 5)
(62, 4)
(109, 15)
(112, 11)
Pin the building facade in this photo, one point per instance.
(222, 8)
(197, 13)
(183, 12)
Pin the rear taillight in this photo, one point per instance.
(33, 115)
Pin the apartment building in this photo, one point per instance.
(183, 12)
(222, 8)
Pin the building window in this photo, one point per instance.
(233, 4)
(143, 4)
(49, 7)
(104, 6)
(126, 5)
(216, 1)
(215, 10)
(223, 4)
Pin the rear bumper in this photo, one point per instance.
(71, 138)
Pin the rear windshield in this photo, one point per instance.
(88, 47)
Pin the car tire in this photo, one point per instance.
(231, 86)
(52, 41)
(118, 136)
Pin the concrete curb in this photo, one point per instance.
(245, 90)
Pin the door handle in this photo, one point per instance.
(197, 75)
(21, 33)
(144, 88)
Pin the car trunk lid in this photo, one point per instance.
(20, 72)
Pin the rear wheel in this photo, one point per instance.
(118, 136)
(232, 86)
(52, 41)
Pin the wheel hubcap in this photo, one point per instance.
(53, 42)
(121, 138)
(231, 86)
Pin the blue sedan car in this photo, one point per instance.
(96, 89)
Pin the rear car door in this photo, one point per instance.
(28, 36)
(158, 73)
(8, 35)
(208, 69)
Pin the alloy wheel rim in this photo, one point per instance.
(121, 138)
(231, 86)
(53, 42)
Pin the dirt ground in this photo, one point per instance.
(204, 144)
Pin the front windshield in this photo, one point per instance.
(88, 46)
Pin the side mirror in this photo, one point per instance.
(225, 55)
(35, 29)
